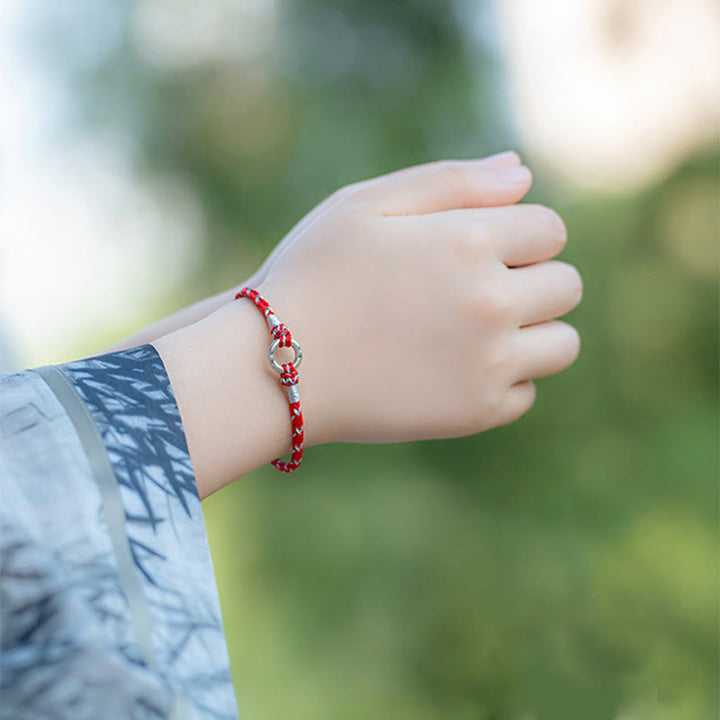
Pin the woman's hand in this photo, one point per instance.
(425, 303)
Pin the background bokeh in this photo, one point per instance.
(562, 567)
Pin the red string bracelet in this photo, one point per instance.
(281, 337)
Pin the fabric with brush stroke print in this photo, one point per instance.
(69, 646)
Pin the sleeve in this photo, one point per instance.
(109, 603)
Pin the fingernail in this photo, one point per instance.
(512, 176)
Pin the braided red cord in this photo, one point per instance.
(288, 379)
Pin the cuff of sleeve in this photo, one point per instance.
(132, 403)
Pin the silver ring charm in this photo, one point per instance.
(276, 366)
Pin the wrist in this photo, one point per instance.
(234, 410)
(317, 376)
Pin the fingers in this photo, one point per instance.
(527, 233)
(544, 291)
(509, 158)
(517, 235)
(523, 234)
(369, 189)
(545, 349)
(450, 184)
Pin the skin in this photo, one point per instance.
(426, 302)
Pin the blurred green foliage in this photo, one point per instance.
(562, 567)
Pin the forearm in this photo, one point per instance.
(180, 319)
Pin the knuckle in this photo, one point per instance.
(492, 361)
(452, 177)
(531, 397)
(574, 282)
(573, 343)
(523, 399)
(526, 401)
(471, 246)
(578, 286)
(553, 225)
(491, 305)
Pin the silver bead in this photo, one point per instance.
(293, 393)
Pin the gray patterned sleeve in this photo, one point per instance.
(108, 605)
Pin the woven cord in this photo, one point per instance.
(288, 379)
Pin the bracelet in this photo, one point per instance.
(281, 337)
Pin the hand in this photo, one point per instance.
(425, 302)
